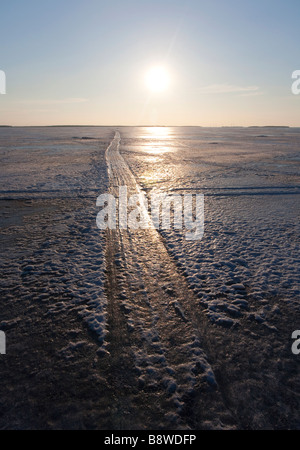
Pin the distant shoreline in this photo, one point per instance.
(146, 126)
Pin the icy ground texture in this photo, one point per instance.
(249, 257)
(167, 345)
(197, 337)
(51, 161)
(52, 177)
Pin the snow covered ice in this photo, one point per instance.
(143, 328)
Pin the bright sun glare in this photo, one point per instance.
(157, 79)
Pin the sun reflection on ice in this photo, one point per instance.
(156, 143)
(160, 132)
(156, 140)
(156, 149)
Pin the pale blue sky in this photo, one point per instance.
(84, 62)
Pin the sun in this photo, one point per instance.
(157, 79)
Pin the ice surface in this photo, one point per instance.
(41, 166)
(180, 334)
(250, 179)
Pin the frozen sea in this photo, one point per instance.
(143, 329)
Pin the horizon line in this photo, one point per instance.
(150, 126)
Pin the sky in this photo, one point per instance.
(75, 62)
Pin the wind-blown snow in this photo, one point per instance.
(177, 332)
(248, 257)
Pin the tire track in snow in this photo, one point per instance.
(164, 343)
